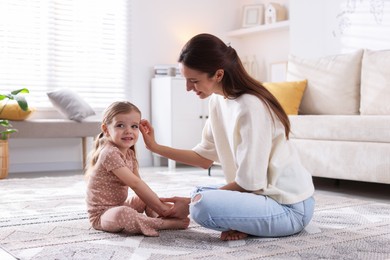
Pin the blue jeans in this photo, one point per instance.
(256, 215)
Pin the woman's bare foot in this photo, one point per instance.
(232, 235)
(175, 223)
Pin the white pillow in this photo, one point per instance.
(70, 104)
(333, 83)
(375, 88)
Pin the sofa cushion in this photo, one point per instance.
(12, 111)
(375, 86)
(70, 104)
(341, 128)
(333, 83)
(289, 94)
(359, 161)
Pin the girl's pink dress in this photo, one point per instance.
(109, 209)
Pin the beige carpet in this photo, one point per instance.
(45, 218)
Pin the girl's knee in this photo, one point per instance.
(118, 213)
(111, 220)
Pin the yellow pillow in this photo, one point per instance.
(12, 111)
(289, 94)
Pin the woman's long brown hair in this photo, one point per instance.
(207, 53)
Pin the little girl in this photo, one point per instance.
(113, 169)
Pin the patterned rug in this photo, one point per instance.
(45, 218)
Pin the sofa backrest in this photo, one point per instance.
(333, 83)
(375, 83)
(345, 84)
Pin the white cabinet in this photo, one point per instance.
(178, 116)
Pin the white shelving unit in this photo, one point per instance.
(283, 25)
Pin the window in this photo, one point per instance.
(77, 44)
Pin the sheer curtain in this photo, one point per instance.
(77, 44)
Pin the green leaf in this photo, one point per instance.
(22, 90)
(22, 102)
(5, 123)
(5, 134)
(6, 96)
(10, 131)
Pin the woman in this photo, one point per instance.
(268, 191)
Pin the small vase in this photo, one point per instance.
(4, 159)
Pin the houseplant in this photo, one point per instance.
(6, 128)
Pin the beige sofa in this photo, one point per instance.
(343, 127)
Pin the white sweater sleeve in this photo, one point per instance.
(206, 148)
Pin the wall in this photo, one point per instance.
(159, 36)
(265, 47)
(44, 154)
(159, 30)
(338, 26)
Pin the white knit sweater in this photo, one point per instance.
(252, 149)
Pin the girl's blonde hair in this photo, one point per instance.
(119, 107)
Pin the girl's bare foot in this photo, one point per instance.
(232, 235)
(175, 223)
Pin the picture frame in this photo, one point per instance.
(252, 15)
(277, 71)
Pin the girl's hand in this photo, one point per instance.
(181, 207)
(166, 210)
(147, 132)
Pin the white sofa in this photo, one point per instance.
(342, 130)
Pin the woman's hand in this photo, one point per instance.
(181, 206)
(180, 155)
(233, 186)
(147, 132)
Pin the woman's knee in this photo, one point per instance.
(196, 198)
(201, 208)
(309, 205)
(196, 208)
